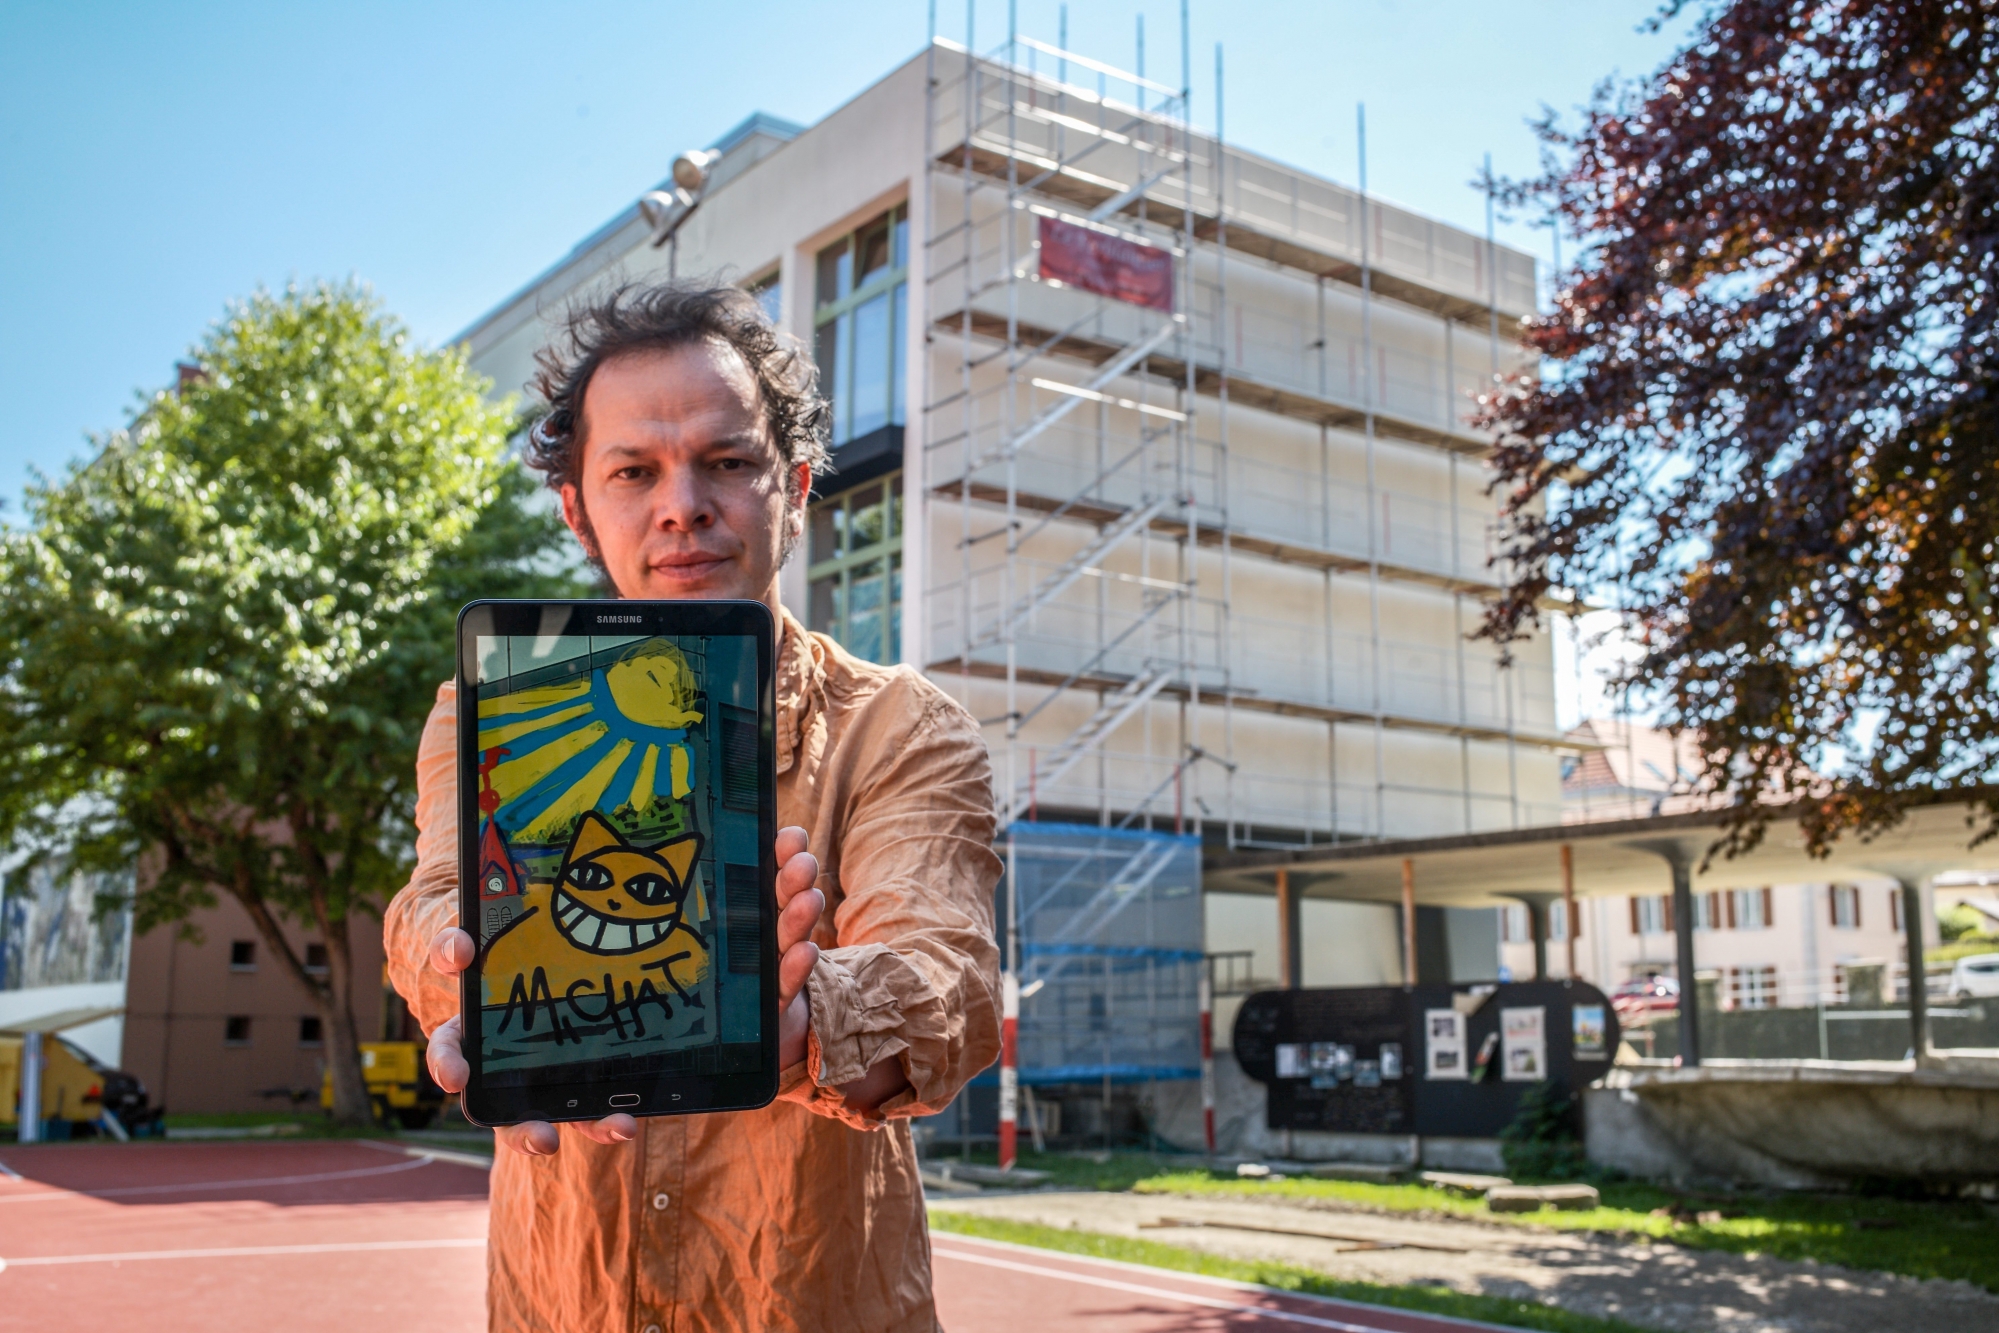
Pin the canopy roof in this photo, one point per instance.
(1627, 856)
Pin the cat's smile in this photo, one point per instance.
(598, 932)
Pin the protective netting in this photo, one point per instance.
(1110, 943)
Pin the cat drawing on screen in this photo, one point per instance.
(617, 943)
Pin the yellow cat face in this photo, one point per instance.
(612, 898)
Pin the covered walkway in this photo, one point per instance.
(1667, 854)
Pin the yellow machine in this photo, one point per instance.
(399, 1083)
(75, 1091)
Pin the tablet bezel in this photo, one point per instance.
(569, 1099)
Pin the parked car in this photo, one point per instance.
(1646, 995)
(1975, 976)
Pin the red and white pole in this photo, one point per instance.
(1208, 1059)
(1009, 1123)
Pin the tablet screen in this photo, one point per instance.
(618, 856)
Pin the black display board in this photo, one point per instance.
(1450, 1060)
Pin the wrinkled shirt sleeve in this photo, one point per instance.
(429, 902)
(914, 974)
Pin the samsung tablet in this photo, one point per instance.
(617, 812)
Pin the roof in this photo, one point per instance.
(1626, 856)
(758, 122)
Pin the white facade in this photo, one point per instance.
(1221, 586)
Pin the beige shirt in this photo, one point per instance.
(801, 1215)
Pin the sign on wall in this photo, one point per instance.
(1108, 265)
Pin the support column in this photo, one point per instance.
(1537, 930)
(1569, 904)
(30, 1128)
(1409, 977)
(1290, 957)
(1683, 959)
(1919, 995)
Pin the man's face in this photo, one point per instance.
(681, 491)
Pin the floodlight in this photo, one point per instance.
(690, 169)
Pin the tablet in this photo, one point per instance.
(617, 813)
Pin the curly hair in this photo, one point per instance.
(659, 317)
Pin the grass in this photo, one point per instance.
(1284, 1277)
(1917, 1238)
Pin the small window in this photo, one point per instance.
(315, 959)
(1752, 987)
(236, 1030)
(1846, 907)
(309, 1030)
(1515, 926)
(242, 955)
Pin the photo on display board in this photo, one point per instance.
(1590, 1034)
(1444, 1044)
(1524, 1038)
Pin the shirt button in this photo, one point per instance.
(659, 1201)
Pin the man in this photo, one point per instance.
(682, 436)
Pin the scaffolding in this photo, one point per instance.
(1090, 516)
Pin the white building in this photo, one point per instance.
(1154, 452)
(1778, 945)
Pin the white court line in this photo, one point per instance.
(9, 1172)
(198, 1185)
(248, 1251)
(1138, 1289)
(1225, 1283)
(451, 1155)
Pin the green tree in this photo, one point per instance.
(227, 629)
(1768, 429)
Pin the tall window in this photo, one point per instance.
(860, 313)
(1749, 909)
(856, 569)
(1651, 914)
(1846, 906)
(1710, 912)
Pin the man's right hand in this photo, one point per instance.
(451, 953)
(800, 905)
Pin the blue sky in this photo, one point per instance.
(157, 161)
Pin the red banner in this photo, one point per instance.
(1108, 265)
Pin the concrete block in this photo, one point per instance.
(1533, 1198)
(1460, 1182)
(1379, 1173)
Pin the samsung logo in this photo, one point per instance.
(620, 620)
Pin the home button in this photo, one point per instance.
(625, 1099)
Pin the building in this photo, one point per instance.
(205, 1018)
(1771, 946)
(214, 1024)
(1154, 452)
